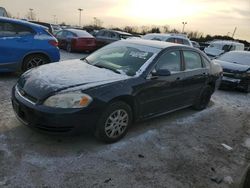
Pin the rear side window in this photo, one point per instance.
(170, 40)
(186, 42)
(170, 61)
(12, 29)
(192, 60)
(178, 41)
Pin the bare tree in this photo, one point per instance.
(166, 28)
(97, 22)
(31, 15)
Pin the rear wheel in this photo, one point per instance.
(69, 47)
(34, 61)
(203, 99)
(114, 123)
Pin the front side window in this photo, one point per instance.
(59, 34)
(120, 59)
(170, 61)
(69, 34)
(192, 60)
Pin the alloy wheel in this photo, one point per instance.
(116, 123)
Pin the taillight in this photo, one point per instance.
(53, 43)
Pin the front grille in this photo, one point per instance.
(232, 75)
(53, 129)
(25, 95)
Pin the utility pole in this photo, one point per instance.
(184, 23)
(54, 16)
(80, 15)
(234, 32)
(31, 13)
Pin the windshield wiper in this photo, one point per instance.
(109, 68)
(84, 59)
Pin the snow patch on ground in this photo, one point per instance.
(247, 143)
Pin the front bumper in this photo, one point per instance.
(235, 82)
(53, 120)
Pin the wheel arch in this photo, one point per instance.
(129, 100)
(33, 53)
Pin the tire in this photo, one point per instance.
(34, 61)
(247, 88)
(204, 98)
(69, 48)
(114, 122)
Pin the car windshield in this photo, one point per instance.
(235, 57)
(216, 45)
(121, 58)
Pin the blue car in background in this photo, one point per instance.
(24, 45)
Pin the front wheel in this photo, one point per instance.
(114, 123)
(247, 88)
(203, 99)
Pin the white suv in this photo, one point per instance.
(169, 37)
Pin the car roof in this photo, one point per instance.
(240, 52)
(116, 31)
(225, 42)
(152, 43)
(80, 33)
(167, 35)
(24, 22)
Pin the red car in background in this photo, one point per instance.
(75, 40)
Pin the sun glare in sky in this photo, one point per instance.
(206, 16)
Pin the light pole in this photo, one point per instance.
(184, 23)
(80, 15)
(31, 13)
(54, 16)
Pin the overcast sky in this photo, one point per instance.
(206, 16)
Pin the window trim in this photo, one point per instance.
(203, 66)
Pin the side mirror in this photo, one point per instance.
(161, 72)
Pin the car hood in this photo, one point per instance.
(42, 81)
(233, 67)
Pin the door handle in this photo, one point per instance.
(178, 78)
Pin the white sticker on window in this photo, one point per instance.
(141, 55)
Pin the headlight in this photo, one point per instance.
(68, 100)
(247, 74)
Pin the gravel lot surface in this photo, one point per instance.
(182, 149)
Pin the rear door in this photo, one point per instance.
(15, 42)
(196, 75)
(163, 93)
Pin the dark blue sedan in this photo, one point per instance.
(24, 45)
